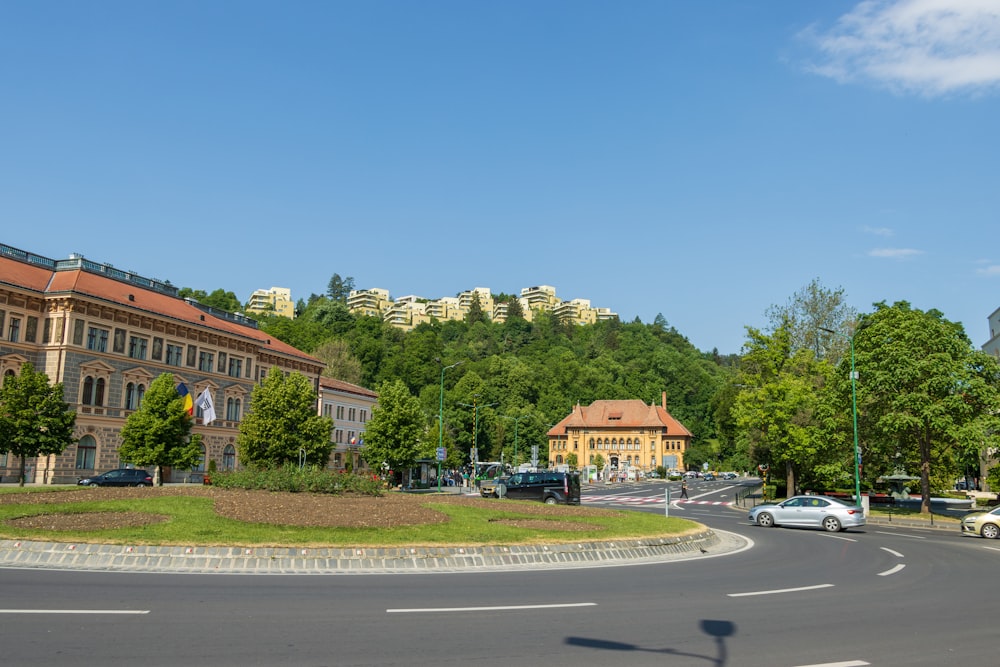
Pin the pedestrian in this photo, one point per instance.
(684, 488)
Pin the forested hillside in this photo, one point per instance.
(517, 373)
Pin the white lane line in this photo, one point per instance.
(849, 663)
(780, 590)
(915, 537)
(892, 570)
(991, 548)
(73, 611)
(839, 537)
(427, 610)
(894, 553)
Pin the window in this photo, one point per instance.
(86, 453)
(235, 366)
(338, 435)
(14, 332)
(93, 391)
(350, 414)
(340, 412)
(174, 354)
(201, 462)
(133, 395)
(364, 416)
(228, 458)
(47, 331)
(206, 361)
(157, 349)
(97, 339)
(78, 327)
(233, 409)
(3, 315)
(31, 330)
(192, 356)
(137, 347)
(222, 362)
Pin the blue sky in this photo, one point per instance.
(702, 160)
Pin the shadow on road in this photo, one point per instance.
(717, 629)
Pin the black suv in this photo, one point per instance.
(120, 477)
(549, 487)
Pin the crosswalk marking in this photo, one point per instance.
(646, 500)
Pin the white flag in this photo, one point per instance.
(206, 406)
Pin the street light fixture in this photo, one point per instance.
(441, 419)
(475, 436)
(854, 412)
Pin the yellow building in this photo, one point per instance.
(627, 435)
(274, 301)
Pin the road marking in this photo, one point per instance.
(893, 570)
(915, 537)
(992, 548)
(894, 553)
(779, 590)
(839, 537)
(849, 663)
(427, 610)
(73, 611)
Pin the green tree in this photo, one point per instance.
(923, 392)
(776, 409)
(34, 418)
(340, 363)
(476, 312)
(338, 289)
(159, 432)
(282, 425)
(809, 311)
(396, 434)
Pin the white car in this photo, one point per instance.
(830, 514)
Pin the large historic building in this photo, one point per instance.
(106, 334)
(628, 435)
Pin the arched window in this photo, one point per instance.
(86, 453)
(132, 396)
(9, 373)
(88, 390)
(233, 409)
(229, 458)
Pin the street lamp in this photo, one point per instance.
(854, 412)
(441, 419)
(516, 420)
(475, 436)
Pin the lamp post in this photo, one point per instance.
(516, 420)
(854, 412)
(441, 419)
(475, 436)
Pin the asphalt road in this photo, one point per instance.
(879, 596)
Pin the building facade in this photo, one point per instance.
(274, 301)
(620, 436)
(350, 407)
(992, 346)
(105, 334)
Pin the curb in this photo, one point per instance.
(402, 560)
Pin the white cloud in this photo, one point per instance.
(928, 47)
(895, 253)
(989, 271)
(877, 231)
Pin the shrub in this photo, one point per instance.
(295, 480)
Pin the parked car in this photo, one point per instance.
(729, 476)
(986, 524)
(120, 477)
(549, 487)
(831, 514)
(708, 477)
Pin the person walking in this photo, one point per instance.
(684, 488)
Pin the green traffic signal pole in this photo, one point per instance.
(854, 412)
(441, 419)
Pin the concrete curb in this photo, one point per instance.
(408, 560)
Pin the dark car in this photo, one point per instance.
(120, 477)
(549, 487)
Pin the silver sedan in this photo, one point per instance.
(811, 511)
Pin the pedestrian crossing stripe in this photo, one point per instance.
(647, 500)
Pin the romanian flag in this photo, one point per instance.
(186, 396)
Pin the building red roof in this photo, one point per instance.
(347, 387)
(623, 413)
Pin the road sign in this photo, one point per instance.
(440, 453)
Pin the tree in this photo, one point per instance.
(395, 434)
(34, 418)
(476, 312)
(338, 289)
(923, 392)
(809, 311)
(282, 425)
(340, 363)
(159, 432)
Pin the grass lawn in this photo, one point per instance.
(192, 520)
